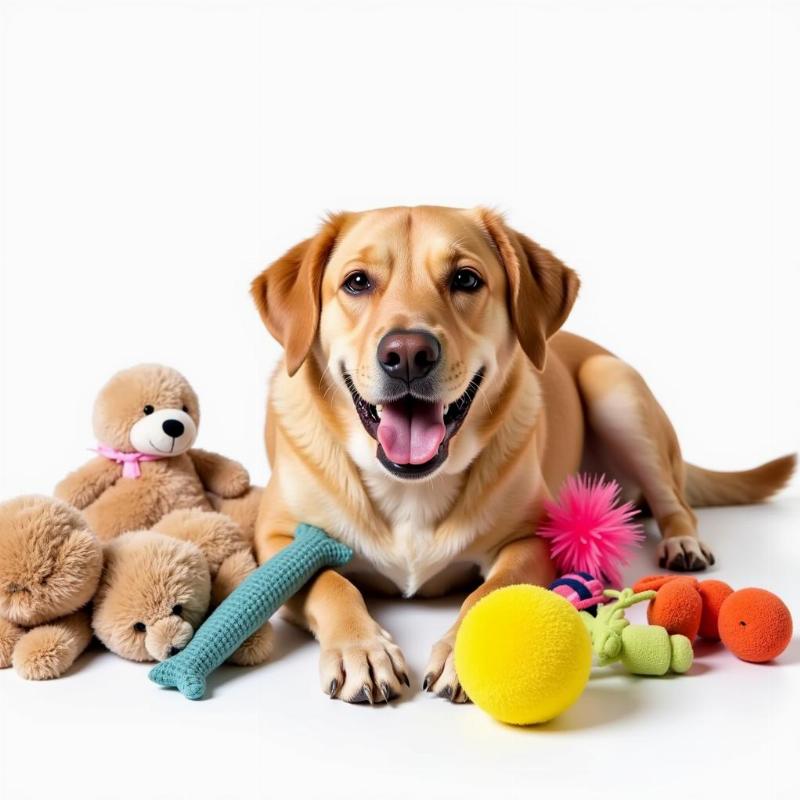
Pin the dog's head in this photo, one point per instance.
(414, 313)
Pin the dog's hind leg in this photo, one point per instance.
(634, 437)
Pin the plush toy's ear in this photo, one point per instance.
(287, 293)
(541, 290)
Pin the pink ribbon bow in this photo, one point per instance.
(129, 461)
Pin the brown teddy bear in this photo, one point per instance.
(145, 420)
(157, 586)
(50, 564)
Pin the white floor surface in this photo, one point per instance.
(104, 731)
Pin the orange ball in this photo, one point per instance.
(677, 607)
(654, 582)
(755, 625)
(713, 594)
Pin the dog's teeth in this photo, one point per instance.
(379, 408)
(446, 409)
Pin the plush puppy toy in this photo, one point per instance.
(145, 420)
(49, 568)
(158, 585)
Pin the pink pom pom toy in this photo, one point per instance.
(589, 529)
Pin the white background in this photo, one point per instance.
(156, 155)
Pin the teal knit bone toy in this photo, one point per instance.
(248, 607)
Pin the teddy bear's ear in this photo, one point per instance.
(287, 293)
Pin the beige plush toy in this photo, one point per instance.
(158, 585)
(145, 420)
(50, 564)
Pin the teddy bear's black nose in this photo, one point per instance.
(173, 428)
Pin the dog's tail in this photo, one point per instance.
(705, 487)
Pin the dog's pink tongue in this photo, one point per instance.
(410, 433)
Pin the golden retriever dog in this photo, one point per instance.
(428, 406)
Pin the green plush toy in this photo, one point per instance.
(642, 649)
(248, 607)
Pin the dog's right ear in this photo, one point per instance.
(287, 293)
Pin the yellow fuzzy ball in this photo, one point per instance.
(523, 654)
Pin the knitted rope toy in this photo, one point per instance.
(248, 607)
(642, 649)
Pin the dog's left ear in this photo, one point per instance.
(541, 290)
(287, 293)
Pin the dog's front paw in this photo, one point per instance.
(684, 554)
(365, 669)
(440, 674)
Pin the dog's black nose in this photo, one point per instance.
(173, 428)
(173, 651)
(408, 354)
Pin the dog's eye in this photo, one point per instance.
(139, 627)
(357, 282)
(465, 280)
(177, 610)
(148, 409)
(185, 409)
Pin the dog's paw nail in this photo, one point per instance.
(426, 684)
(367, 692)
(447, 692)
(678, 563)
(386, 692)
(405, 680)
(695, 563)
(334, 687)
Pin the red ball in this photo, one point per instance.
(713, 594)
(677, 607)
(755, 625)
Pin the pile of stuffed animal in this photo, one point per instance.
(137, 545)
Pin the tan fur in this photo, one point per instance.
(550, 403)
(50, 565)
(242, 510)
(148, 574)
(48, 651)
(705, 487)
(113, 504)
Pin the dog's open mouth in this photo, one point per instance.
(413, 434)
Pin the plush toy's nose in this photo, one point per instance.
(173, 428)
(167, 637)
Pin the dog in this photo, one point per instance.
(428, 406)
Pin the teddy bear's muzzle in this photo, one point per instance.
(167, 637)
